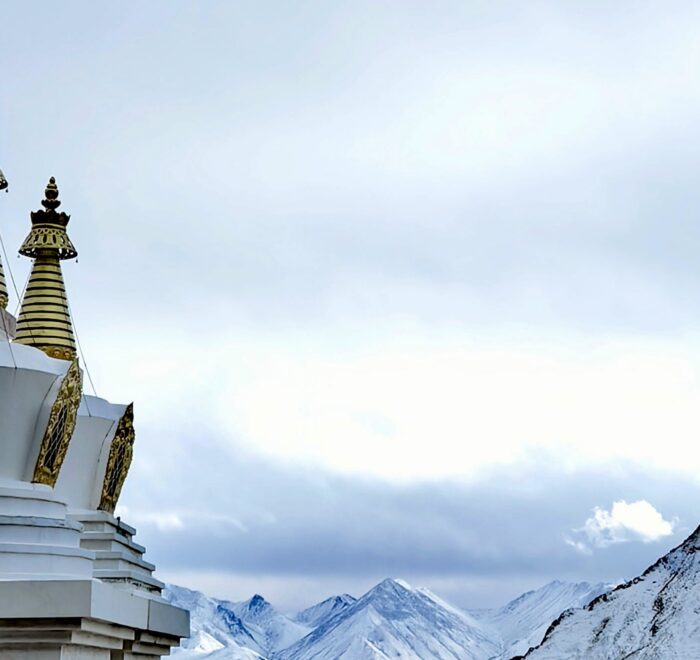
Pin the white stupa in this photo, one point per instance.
(73, 583)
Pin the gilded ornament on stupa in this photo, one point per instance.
(44, 319)
(120, 455)
(61, 425)
(4, 299)
(3, 286)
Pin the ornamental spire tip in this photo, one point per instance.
(51, 201)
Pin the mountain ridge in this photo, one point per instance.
(650, 616)
(226, 630)
(395, 620)
(654, 615)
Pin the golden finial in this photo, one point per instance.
(49, 228)
(51, 195)
(44, 320)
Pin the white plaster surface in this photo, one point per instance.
(94, 431)
(89, 599)
(22, 396)
(27, 357)
(60, 559)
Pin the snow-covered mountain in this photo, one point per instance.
(222, 630)
(523, 622)
(391, 620)
(216, 632)
(314, 616)
(273, 631)
(395, 620)
(656, 615)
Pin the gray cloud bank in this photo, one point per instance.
(205, 508)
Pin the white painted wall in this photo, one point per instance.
(26, 378)
(82, 475)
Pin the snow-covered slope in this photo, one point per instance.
(272, 631)
(316, 615)
(523, 622)
(217, 633)
(395, 620)
(653, 616)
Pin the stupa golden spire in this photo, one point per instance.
(44, 320)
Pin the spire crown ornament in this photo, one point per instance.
(49, 228)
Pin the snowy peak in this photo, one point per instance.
(693, 541)
(216, 629)
(392, 585)
(255, 607)
(272, 631)
(318, 614)
(652, 616)
(395, 620)
(391, 590)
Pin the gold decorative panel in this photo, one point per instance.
(119, 462)
(60, 428)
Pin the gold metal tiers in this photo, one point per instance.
(44, 319)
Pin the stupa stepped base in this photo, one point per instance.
(36, 538)
(84, 620)
(80, 640)
(118, 558)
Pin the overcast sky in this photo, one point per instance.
(398, 288)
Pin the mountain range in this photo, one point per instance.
(392, 619)
(654, 616)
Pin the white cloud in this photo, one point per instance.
(420, 406)
(451, 409)
(634, 521)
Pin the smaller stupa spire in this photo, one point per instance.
(4, 299)
(44, 319)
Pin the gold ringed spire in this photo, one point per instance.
(44, 319)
